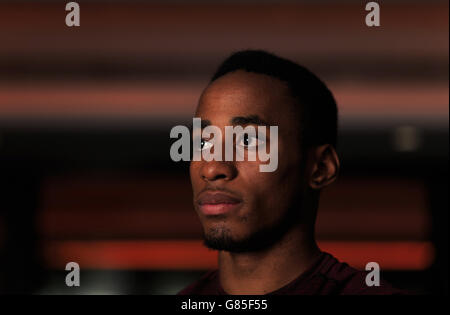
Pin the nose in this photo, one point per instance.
(218, 170)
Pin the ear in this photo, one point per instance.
(325, 166)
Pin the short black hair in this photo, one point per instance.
(319, 117)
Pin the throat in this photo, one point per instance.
(265, 271)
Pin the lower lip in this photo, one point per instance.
(220, 208)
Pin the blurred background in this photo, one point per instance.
(85, 116)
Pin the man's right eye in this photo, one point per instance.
(204, 144)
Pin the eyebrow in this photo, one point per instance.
(247, 120)
(204, 123)
(237, 120)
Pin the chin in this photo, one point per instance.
(223, 238)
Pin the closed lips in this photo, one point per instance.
(217, 198)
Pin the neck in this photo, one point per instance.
(265, 271)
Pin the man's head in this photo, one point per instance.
(241, 208)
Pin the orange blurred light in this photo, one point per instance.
(192, 255)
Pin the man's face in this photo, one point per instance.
(241, 208)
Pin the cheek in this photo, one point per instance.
(270, 190)
(286, 168)
(194, 173)
(261, 187)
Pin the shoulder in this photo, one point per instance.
(350, 281)
(207, 284)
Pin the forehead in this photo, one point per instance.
(242, 93)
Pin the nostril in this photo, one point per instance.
(220, 176)
(215, 177)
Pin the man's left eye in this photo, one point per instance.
(249, 141)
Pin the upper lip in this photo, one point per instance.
(216, 198)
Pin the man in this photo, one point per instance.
(262, 223)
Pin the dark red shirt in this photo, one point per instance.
(326, 276)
